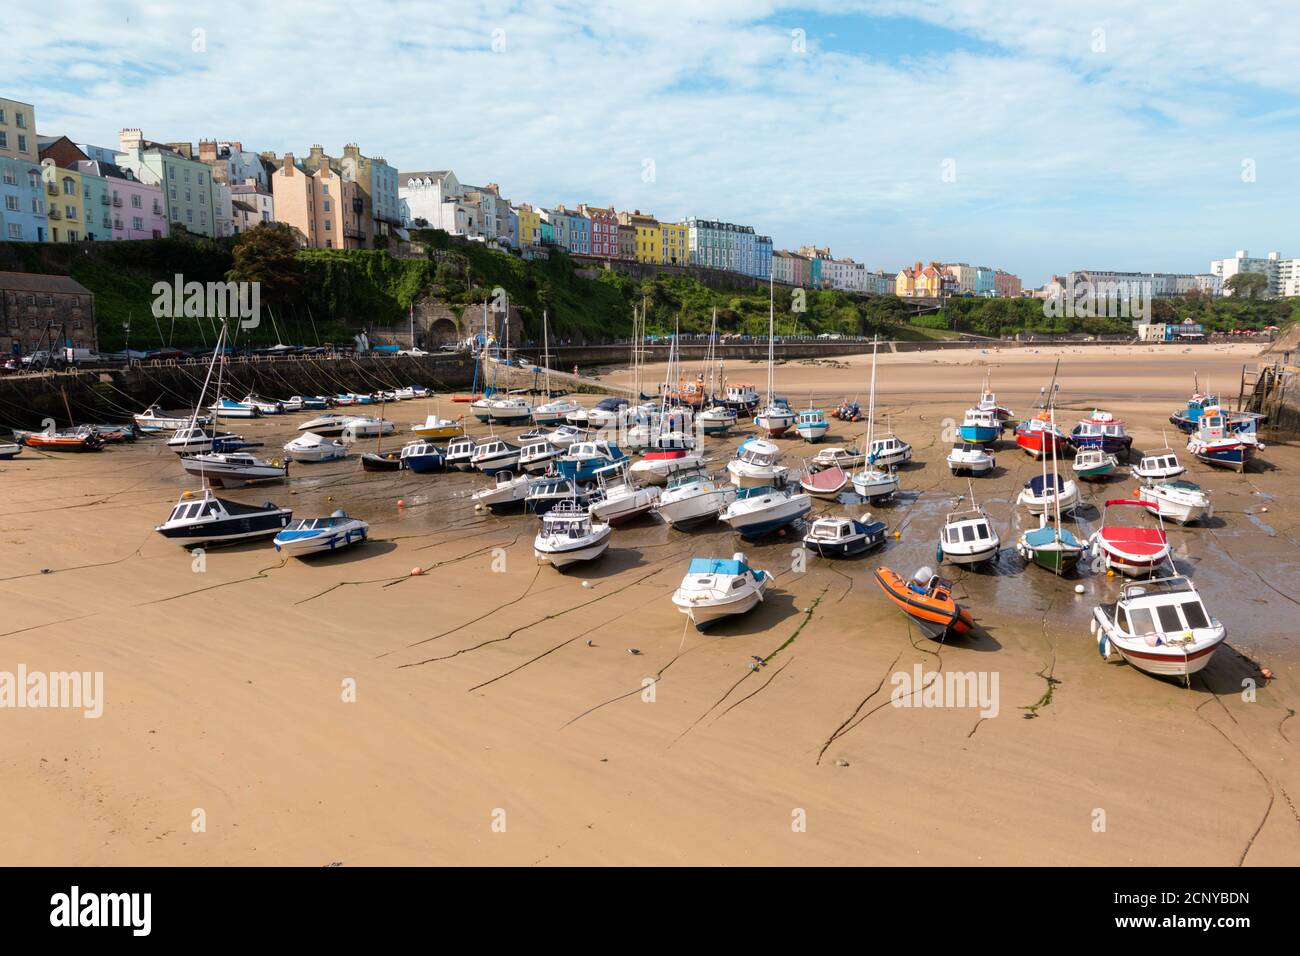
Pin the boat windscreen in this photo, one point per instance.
(716, 566)
(1039, 484)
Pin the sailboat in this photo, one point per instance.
(776, 418)
(718, 417)
(872, 482)
(551, 412)
(1050, 545)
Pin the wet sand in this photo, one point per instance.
(485, 729)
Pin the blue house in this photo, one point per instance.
(22, 201)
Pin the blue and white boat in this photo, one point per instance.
(716, 588)
(308, 403)
(422, 457)
(315, 535)
(838, 537)
(585, 458)
(1188, 419)
(763, 510)
(980, 426)
(1215, 443)
(229, 408)
(812, 425)
(266, 406)
(1104, 432)
(716, 419)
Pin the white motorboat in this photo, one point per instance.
(832, 455)
(569, 536)
(669, 455)
(152, 420)
(1158, 465)
(9, 450)
(316, 535)
(403, 394)
(313, 447)
(716, 419)
(555, 412)
(968, 458)
(717, 588)
(536, 456)
(1159, 626)
(566, 435)
(264, 406)
(607, 413)
(838, 537)
(1044, 494)
(509, 410)
(327, 424)
(580, 417)
(227, 408)
(213, 520)
(361, 427)
(775, 418)
(693, 499)
(874, 483)
(757, 465)
(968, 536)
(196, 440)
(510, 490)
(619, 500)
(495, 454)
(233, 469)
(1179, 501)
(460, 454)
(760, 511)
(1093, 464)
(889, 452)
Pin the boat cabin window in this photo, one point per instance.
(1143, 623)
(739, 582)
(1121, 619)
(1169, 619)
(1195, 614)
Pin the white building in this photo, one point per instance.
(844, 274)
(251, 205)
(1278, 270)
(438, 198)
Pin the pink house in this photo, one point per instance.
(604, 230)
(137, 209)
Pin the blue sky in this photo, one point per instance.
(1035, 137)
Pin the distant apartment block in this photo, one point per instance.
(1283, 274)
(725, 245)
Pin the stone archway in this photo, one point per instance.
(442, 331)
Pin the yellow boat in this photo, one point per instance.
(435, 427)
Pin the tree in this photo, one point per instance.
(268, 254)
(1249, 285)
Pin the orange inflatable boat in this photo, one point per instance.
(929, 604)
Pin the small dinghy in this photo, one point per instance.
(1159, 465)
(535, 456)
(228, 408)
(927, 601)
(1159, 626)
(316, 535)
(460, 454)
(757, 465)
(827, 483)
(313, 447)
(547, 492)
(844, 537)
(1129, 549)
(968, 536)
(569, 536)
(422, 457)
(693, 499)
(668, 455)
(760, 511)
(845, 458)
(811, 425)
(1104, 432)
(213, 520)
(849, 411)
(510, 491)
(83, 438)
(495, 455)
(1047, 493)
(584, 459)
(717, 588)
(435, 427)
(1180, 501)
(618, 500)
(382, 461)
(1093, 464)
(233, 469)
(153, 419)
(970, 459)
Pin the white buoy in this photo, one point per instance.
(478, 507)
(586, 584)
(1079, 589)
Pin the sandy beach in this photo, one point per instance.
(499, 718)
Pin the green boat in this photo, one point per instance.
(1051, 547)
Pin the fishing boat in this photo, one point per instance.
(509, 491)
(989, 402)
(1039, 437)
(308, 536)
(583, 459)
(493, 455)
(83, 438)
(153, 419)
(1102, 431)
(717, 588)
(382, 461)
(970, 459)
(837, 537)
(693, 499)
(776, 417)
(440, 428)
(198, 439)
(618, 500)
(264, 406)
(1093, 464)
(716, 419)
(536, 456)
(313, 447)
(812, 425)
(360, 427)
(757, 465)
(229, 408)
(1182, 502)
(968, 536)
(1163, 464)
(422, 457)
(460, 454)
(329, 424)
(233, 469)
(825, 483)
(548, 491)
(1130, 549)
(1159, 626)
(213, 520)
(1188, 419)
(569, 536)
(8, 450)
(669, 454)
(927, 601)
(740, 396)
(980, 426)
(1215, 443)
(1043, 494)
(835, 456)
(760, 511)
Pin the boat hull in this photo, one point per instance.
(320, 543)
(702, 615)
(846, 549)
(560, 558)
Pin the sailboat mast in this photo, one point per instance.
(546, 353)
(871, 403)
(771, 346)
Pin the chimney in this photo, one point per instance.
(130, 139)
(288, 168)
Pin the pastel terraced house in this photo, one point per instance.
(604, 230)
(647, 235)
(22, 189)
(186, 182)
(316, 203)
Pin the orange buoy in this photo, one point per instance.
(417, 571)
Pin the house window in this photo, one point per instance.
(171, 172)
(70, 211)
(74, 236)
(189, 215)
(20, 120)
(11, 178)
(15, 231)
(135, 201)
(327, 225)
(187, 175)
(11, 203)
(69, 187)
(137, 223)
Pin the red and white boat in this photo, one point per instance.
(1130, 549)
(1037, 435)
(826, 483)
(670, 454)
(83, 438)
(1159, 626)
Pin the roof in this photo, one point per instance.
(41, 282)
(239, 204)
(431, 174)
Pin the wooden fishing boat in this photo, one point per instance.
(927, 600)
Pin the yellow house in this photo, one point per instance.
(672, 247)
(530, 226)
(65, 203)
(917, 281)
(648, 234)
